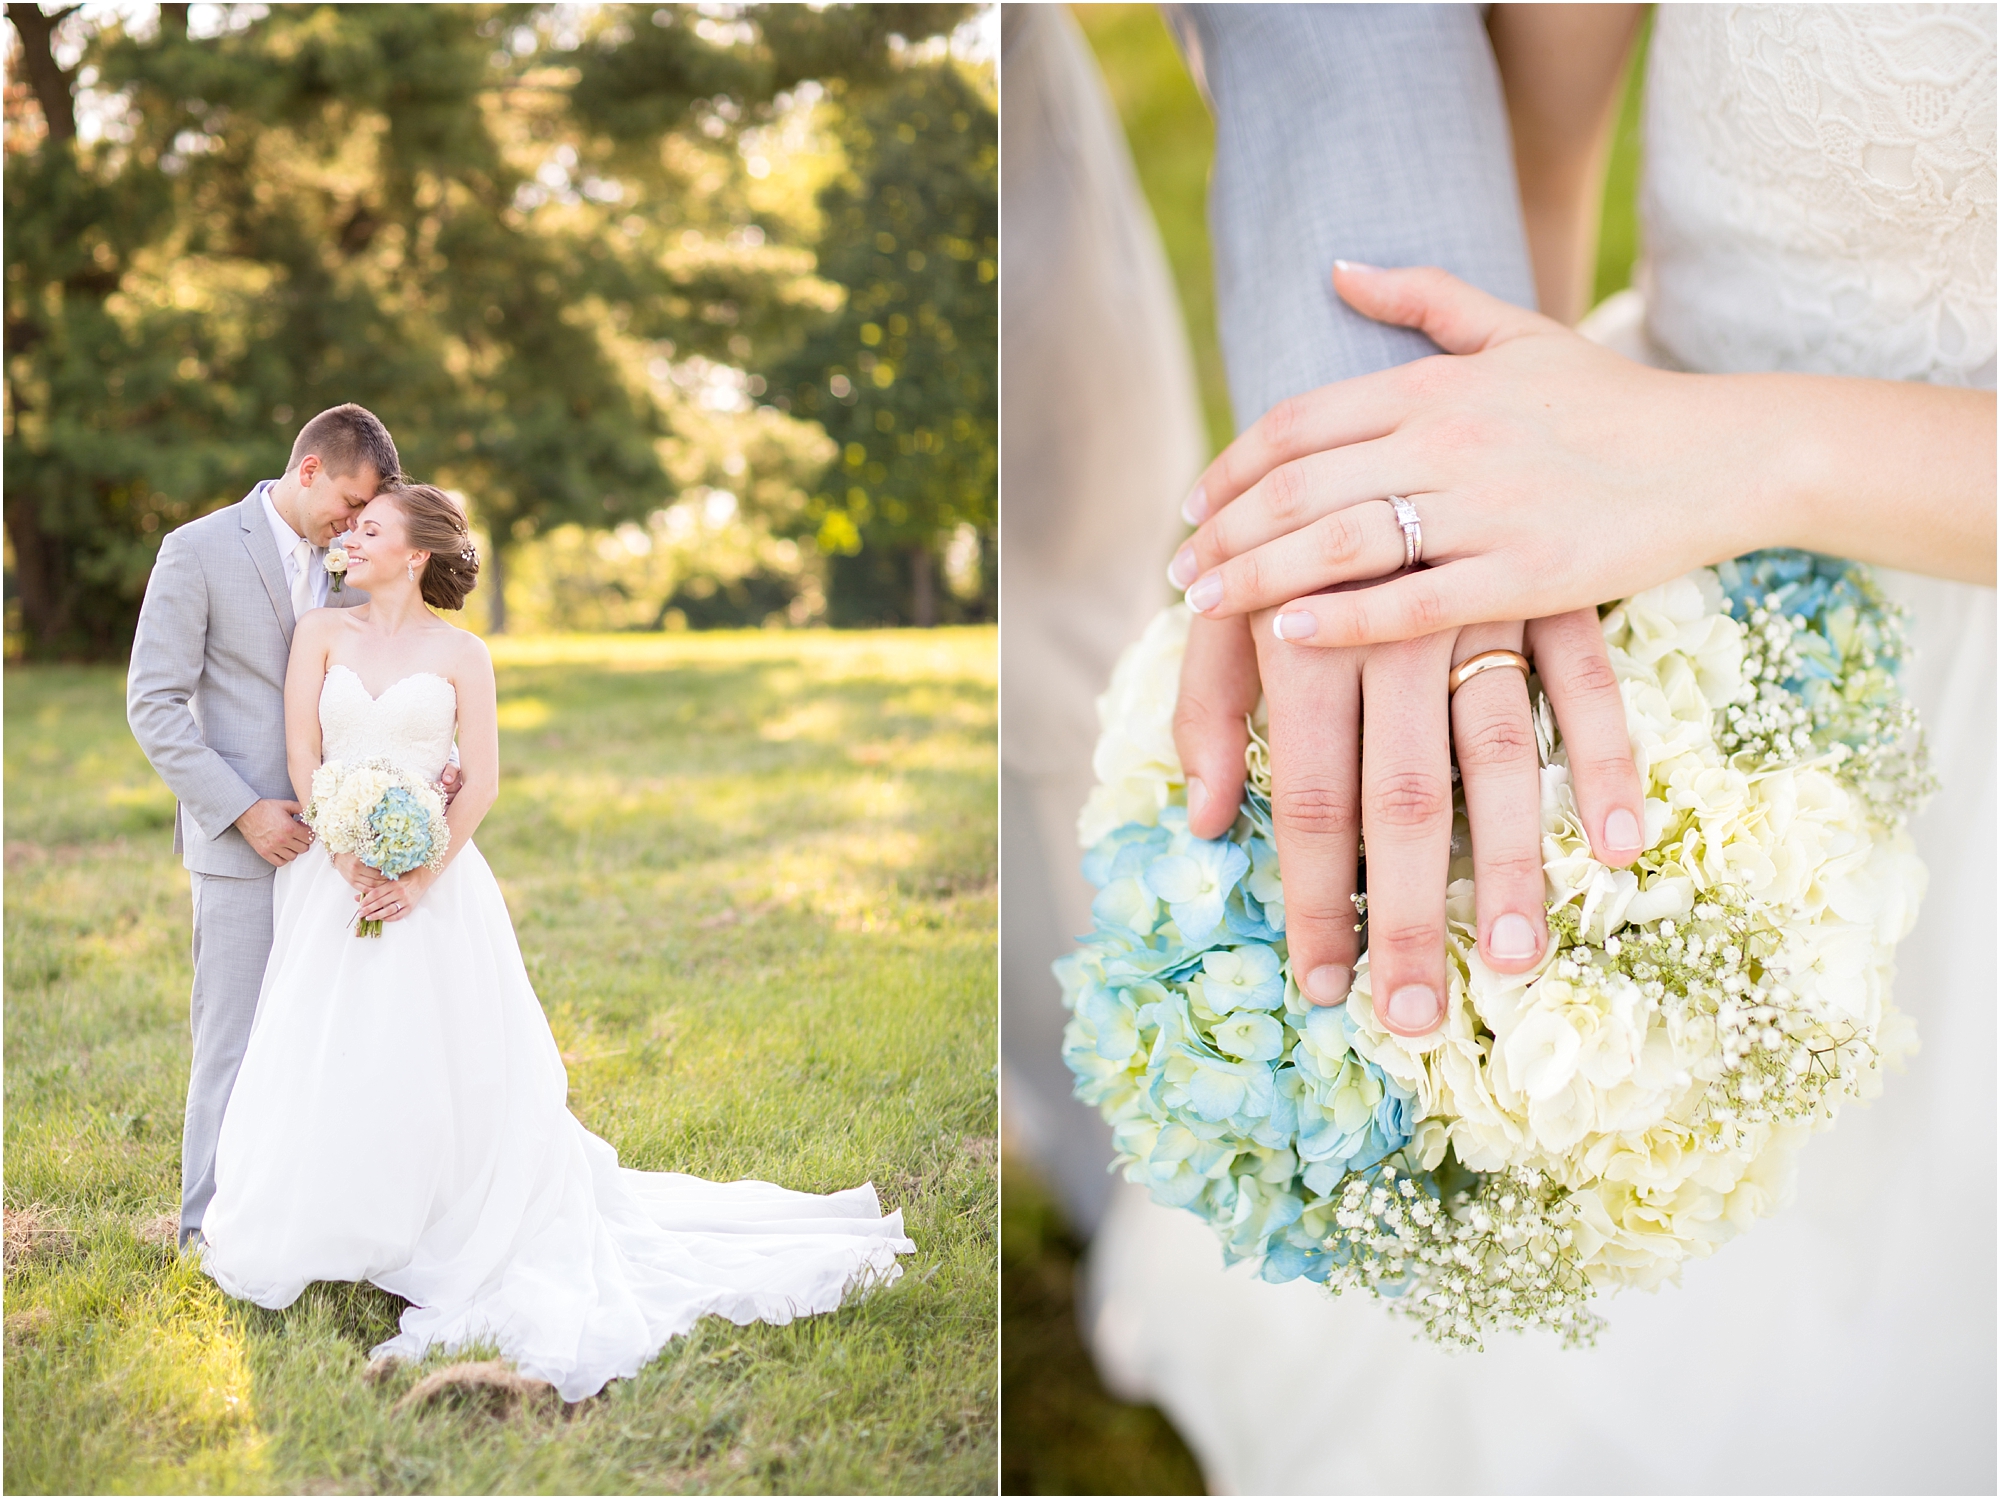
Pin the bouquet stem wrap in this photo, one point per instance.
(376, 810)
(1628, 1105)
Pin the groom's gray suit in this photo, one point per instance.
(206, 701)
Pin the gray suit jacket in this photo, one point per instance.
(206, 691)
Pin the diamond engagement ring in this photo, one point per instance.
(1413, 530)
(1472, 666)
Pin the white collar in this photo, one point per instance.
(281, 531)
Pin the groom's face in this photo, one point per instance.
(329, 502)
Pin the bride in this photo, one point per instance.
(400, 1115)
(1810, 362)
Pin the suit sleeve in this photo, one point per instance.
(167, 658)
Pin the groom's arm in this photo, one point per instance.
(167, 658)
(1373, 133)
(1370, 133)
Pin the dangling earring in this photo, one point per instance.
(410, 568)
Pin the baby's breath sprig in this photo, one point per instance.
(1768, 723)
(1822, 646)
(1769, 1055)
(1463, 1257)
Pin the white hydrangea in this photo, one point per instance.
(346, 792)
(1579, 1071)
(1138, 769)
(1628, 1106)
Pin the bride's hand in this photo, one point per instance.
(392, 900)
(1333, 788)
(1550, 473)
(363, 877)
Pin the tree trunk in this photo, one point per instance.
(923, 588)
(36, 574)
(38, 61)
(494, 567)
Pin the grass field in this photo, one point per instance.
(753, 876)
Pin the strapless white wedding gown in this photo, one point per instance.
(1820, 197)
(400, 1118)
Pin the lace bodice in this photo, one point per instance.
(1820, 189)
(411, 723)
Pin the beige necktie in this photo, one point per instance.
(302, 583)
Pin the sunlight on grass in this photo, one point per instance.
(523, 713)
(138, 1379)
(753, 879)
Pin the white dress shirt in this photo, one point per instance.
(288, 544)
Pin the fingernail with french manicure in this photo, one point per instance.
(1413, 1009)
(1205, 595)
(1194, 509)
(1181, 571)
(1512, 938)
(1197, 794)
(1302, 625)
(1621, 833)
(1354, 265)
(1328, 984)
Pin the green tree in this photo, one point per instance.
(486, 222)
(904, 377)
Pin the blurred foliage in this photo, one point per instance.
(737, 476)
(1618, 242)
(1173, 144)
(1062, 1432)
(552, 246)
(904, 379)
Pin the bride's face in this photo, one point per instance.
(378, 549)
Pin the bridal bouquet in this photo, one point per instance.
(391, 820)
(1590, 1125)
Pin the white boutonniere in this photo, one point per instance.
(336, 566)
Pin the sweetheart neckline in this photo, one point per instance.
(375, 697)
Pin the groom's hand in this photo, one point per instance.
(450, 781)
(274, 831)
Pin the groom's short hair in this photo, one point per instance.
(345, 438)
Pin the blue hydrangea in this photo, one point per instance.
(401, 833)
(1232, 1097)
(1822, 650)
(1227, 1093)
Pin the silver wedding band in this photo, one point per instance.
(1413, 530)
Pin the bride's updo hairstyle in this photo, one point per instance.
(433, 522)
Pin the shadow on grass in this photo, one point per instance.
(1062, 1432)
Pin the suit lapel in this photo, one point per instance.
(270, 566)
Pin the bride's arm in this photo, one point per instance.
(1559, 67)
(1550, 473)
(305, 673)
(478, 742)
(471, 677)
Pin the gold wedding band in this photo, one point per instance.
(1472, 666)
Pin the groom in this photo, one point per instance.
(206, 701)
